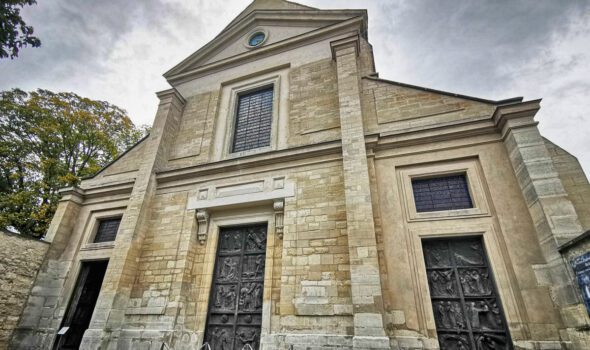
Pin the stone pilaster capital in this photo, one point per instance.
(516, 115)
(170, 96)
(72, 193)
(351, 42)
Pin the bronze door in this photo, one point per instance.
(235, 305)
(467, 312)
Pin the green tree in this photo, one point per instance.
(14, 32)
(50, 140)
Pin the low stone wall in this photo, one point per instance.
(20, 259)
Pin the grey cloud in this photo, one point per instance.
(78, 37)
(462, 42)
(117, 50)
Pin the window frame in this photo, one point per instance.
(236, 91)
(447, 176)
(475, 184)
(236, 111)
(99, 221)
(253, 32)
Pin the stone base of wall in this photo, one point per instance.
(32, 339)
(152, 339)
(328, 342)
(140, 339)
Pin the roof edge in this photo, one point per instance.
(507, 101)
(89, 177)
(245, 13)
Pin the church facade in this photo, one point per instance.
(288, 197)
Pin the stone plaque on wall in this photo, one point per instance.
(581, 265)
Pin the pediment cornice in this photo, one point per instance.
(324, 20)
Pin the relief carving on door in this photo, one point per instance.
(235, 310)
(466, 309)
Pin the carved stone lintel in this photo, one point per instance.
(203, 225)
(279, 208)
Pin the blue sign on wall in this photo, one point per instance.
(581, 265)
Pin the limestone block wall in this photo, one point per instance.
(154, 297)
(128, 162)
(307, 281)
(392, 107)
(348, 271)
(37, 326)
(500, 217)
(574, 181)
(313, 98)
(312, 114)
(315, 295)
(20, 259)
(195, 133)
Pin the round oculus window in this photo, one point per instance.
(256, 39)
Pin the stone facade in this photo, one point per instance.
(20, 259)
(344, 266)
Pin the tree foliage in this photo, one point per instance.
(50, 140)
(14, 32)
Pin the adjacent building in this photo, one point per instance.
(288, 197)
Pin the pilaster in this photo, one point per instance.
(364, 266)
(109, 313)
(38, 324)
(554, 216)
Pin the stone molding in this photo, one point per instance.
(202, 216)
(279, 208)
(270, 18)
(273, 158)
(340, 44)
(250, 198)
(266, 191)
(354, 23)
(81, 194)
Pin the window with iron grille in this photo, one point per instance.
(253, 120)
(441, 193)
(107, 230)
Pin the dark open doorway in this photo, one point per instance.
(81, 307)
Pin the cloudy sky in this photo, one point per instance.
(117, 50)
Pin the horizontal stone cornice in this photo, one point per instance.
(352, 41)
(516, 115)
(505, 118)
(301, 16)
(79, 195)
(258, 160)
(446, 132)
(73, 193)
(584, 237)
(171, 96)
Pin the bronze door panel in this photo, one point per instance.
(235, 306)
(467, 312)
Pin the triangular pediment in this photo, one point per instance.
(279, 20)
(268, 5)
